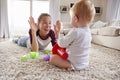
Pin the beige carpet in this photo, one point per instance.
(104, 65)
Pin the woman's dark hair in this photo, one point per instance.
(42, 15)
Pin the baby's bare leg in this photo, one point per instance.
(58, 61)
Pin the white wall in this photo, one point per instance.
(65, 17)
(103, 5)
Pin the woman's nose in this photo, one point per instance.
(48, 25)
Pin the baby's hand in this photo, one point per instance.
(57, 26)
(33, 25)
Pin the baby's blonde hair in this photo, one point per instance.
(84, 10)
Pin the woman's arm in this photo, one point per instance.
(57, 28)
(34, 42)
(33, 37)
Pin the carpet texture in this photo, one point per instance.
(104, 65)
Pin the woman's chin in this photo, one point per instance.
(46, 32)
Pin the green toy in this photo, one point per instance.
(34, 55)
(48, 52)
(23, 58)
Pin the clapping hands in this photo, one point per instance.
(57, 28)
(32, 23)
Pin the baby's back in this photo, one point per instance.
(79, 49)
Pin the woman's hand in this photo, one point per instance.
(33, 25)
(57, 26)
(34, 28)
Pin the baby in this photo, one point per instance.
(78, 40)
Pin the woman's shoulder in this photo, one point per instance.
(52, 35)
(51, 31)
(30, 32)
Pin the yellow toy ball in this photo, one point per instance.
(34, 55)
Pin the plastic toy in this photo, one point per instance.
(23, 58)
(48, 52)
(60, 51)
(34, 55)
(47, 58)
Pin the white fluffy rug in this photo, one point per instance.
(104, 65)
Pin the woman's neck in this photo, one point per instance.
(43, 36)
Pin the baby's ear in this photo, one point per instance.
(76, 18)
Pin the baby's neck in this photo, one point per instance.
(82, 25)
